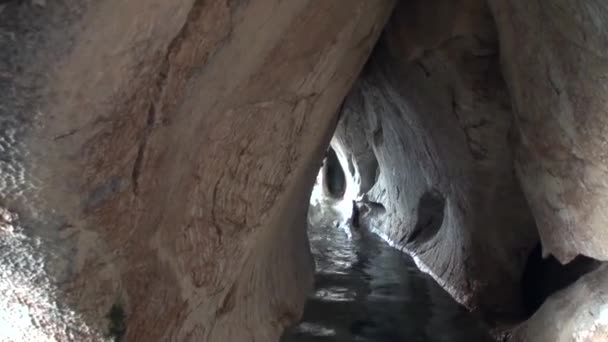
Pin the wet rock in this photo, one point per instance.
(427, 128)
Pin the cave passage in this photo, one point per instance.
(366, 290)
(334, 179)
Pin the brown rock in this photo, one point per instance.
(161, 154)
(554, 57)
(157, 157)
(578, 313)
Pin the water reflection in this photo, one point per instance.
(367, 291)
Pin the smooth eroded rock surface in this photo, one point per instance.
(578, 313)
(554, 57)
(157, 159)
(160, 154)
(426, 134)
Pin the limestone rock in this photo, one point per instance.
(578, 313)
(426, 129)
(160, 156)
(157, 158)
(554, 56)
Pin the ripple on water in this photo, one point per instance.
(365, 290)
(315, 329)
(335, 294)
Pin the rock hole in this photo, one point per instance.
(431, 207)
(335, 179)
(369, 172)
(117, 327)
(543, 277)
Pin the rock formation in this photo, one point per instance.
(438, 141)
(157, 159)
(437, 120)
(554, 58)
(578, 313)
(160, 156)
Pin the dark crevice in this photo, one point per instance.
(423, 67)
(142, 149)
(159, 89)
(351, 165)
(374, 171)
(377, 175)
(117, 327)
(552, 83)
(378, 136)
(228, 303)
(545, 276)
(431, 208)
(369, 171)
(334, 177)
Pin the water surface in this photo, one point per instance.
(366, 290)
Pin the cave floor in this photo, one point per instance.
(366, 290)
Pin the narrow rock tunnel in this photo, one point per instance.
(334, 178)
(345, 170)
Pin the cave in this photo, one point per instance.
(190, 170)
(544, 276)
(334, 179)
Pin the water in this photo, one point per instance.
(366, 290)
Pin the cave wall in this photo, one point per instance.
(554, 61)
(476, 132)
(433, 113)
(157, 158)
(578, 313)
(554, 58)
